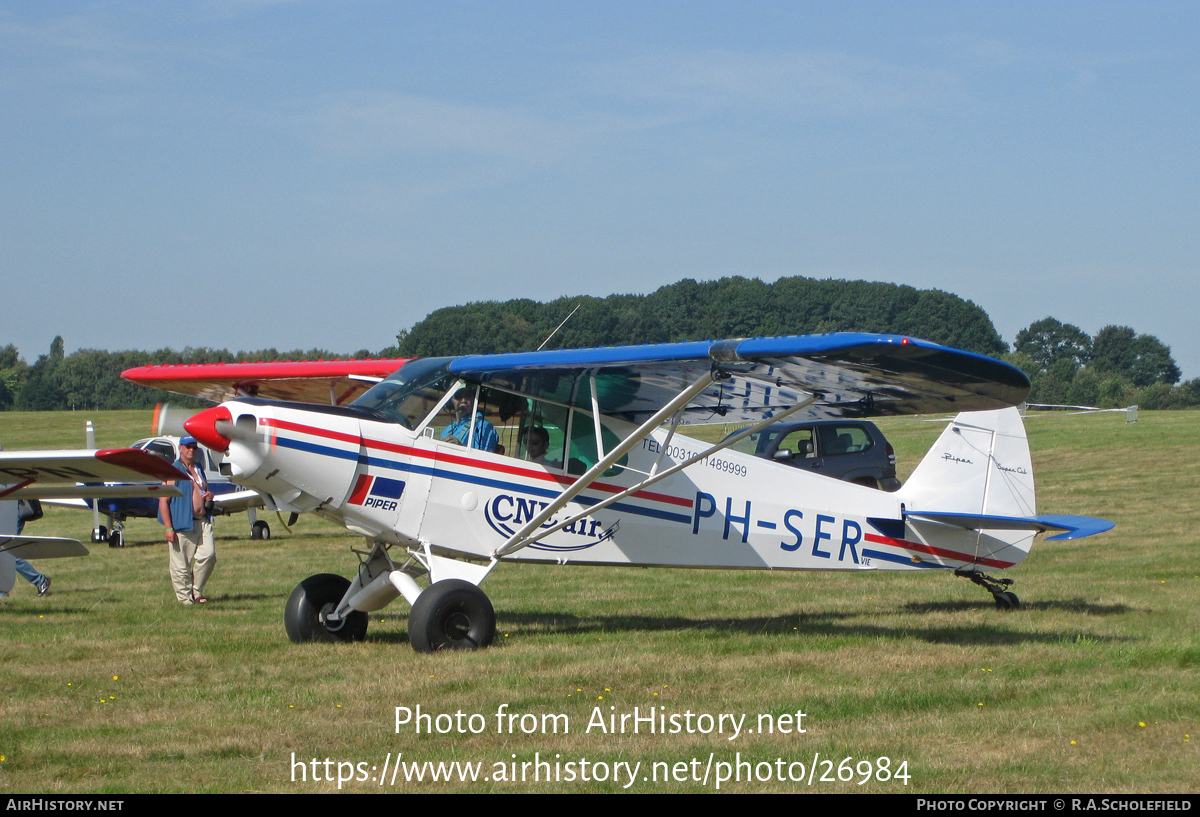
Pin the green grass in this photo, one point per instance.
(916, 667)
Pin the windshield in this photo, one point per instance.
(411, 393)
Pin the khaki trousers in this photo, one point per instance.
(193, 556)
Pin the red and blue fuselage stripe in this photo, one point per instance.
(473, 479)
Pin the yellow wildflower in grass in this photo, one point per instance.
(1141, 724)
(1072, 743)
(115, 678)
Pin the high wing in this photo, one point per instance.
(850, 374)
(329, 382)
(55, 474)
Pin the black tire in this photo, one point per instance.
(260, 530)
(99, 535)
(116, 539)
(1008, 601)
(313, 596)
(451, 615)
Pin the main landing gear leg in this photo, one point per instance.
(1005, 600)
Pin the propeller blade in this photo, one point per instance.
(169, 420)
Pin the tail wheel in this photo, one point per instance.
(305, 617)
(451, 615)
(1007, 601)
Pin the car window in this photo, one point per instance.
(837, 440)
(799, 442)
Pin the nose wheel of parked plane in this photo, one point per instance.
(1005, 599)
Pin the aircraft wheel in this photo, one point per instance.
(99, 535)
(1007, 601)
(451, 615)
(260, 530)
(317, 595)
(116, 539)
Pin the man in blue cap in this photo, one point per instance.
(188, 521)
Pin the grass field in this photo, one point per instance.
(110, 686)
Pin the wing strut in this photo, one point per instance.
(522, 539)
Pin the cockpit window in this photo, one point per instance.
(160, 447)
(407, 396)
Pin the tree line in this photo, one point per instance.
(1116, 367)
(698, 310)
(91, 378)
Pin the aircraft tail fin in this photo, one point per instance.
(979, 465)
(977, 474)
(971, 501)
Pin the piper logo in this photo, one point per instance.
(380, 493)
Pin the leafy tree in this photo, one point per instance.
(1048, 341)
(13, 371)
(691, 310)
(41, 392)
(1143, 359)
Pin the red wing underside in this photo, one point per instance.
(325, 382)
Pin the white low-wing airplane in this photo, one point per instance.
(228, 498)
(614, 483)
(54, 475)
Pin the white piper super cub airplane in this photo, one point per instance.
(574, 458)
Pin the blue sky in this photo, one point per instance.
(309, 174)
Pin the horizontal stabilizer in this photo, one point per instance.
(1073, 527)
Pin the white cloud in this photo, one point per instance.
(796, 82)
(393, 122)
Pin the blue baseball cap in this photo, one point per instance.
(188, 441)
